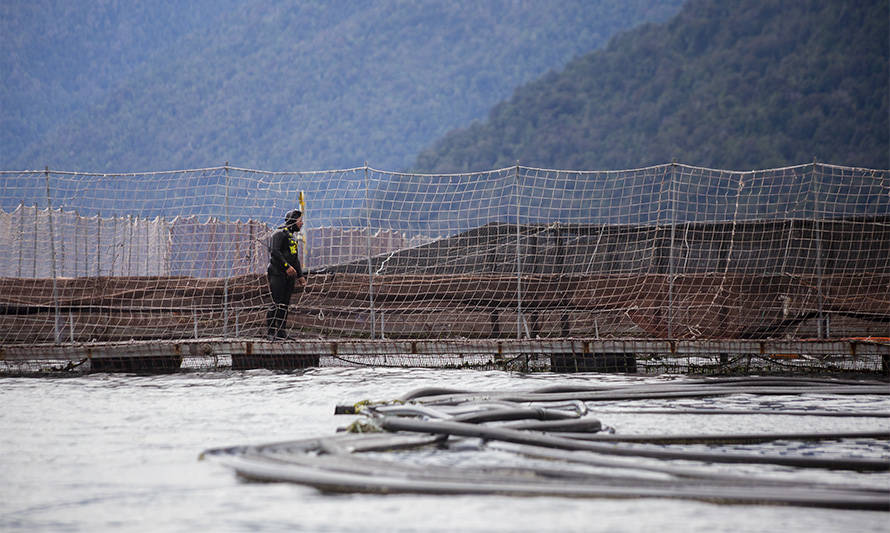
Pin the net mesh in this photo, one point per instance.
(667, 252)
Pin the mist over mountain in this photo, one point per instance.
(738, 85)
(136, 86)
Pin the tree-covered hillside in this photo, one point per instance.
(61, 56)
(273, 84)
(739, 85)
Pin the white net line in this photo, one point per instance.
(671, 251)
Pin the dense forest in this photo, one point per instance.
(60, 57)
(139, 86)
(737, 85)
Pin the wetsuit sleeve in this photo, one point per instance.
(293, 261)
(277, 242)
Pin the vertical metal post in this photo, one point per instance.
(671, 266)
(818, 236)
(21, 235)
(129, 245)
(158, 233)
(34, 257)
(164, 248)
(98, 244)
(147, 226)
(52, 248)
(305, 261)
(518, 254)
(85, 231)
(113, 244)
(76, 252)
(61, 255)
(370, 269)
(250, 246)
(228, 261)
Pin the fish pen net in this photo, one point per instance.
(670, 253)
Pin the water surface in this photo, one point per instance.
(113, 452)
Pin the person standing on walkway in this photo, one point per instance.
(284, 272)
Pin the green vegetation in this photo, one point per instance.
(736, 85)
(273, 84)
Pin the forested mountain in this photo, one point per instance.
(133, 86)
(739, 85)
(61, 56)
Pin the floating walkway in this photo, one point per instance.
(557, 355)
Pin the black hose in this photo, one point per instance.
(788, 412)
(429, 391)
(539, 439)
(748, 438)
(642, 394)
(537, 424)
(338, 477)
(587, 424)
(518, 413)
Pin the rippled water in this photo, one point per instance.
(110, 452)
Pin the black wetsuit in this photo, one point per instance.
(282, 254)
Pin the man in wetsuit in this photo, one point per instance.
(284, 272)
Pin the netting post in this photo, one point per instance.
(146, 242)
(518, 255)
(52, 249)
(370, 269)
(113, 244)
(225, 331)
(671, 266)
(85, 229)
(129, 238)
(305, 262)
(61, 255)
(21, 234)
(36, 231)
(818, 235)
(98, 244)
(76, 235)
